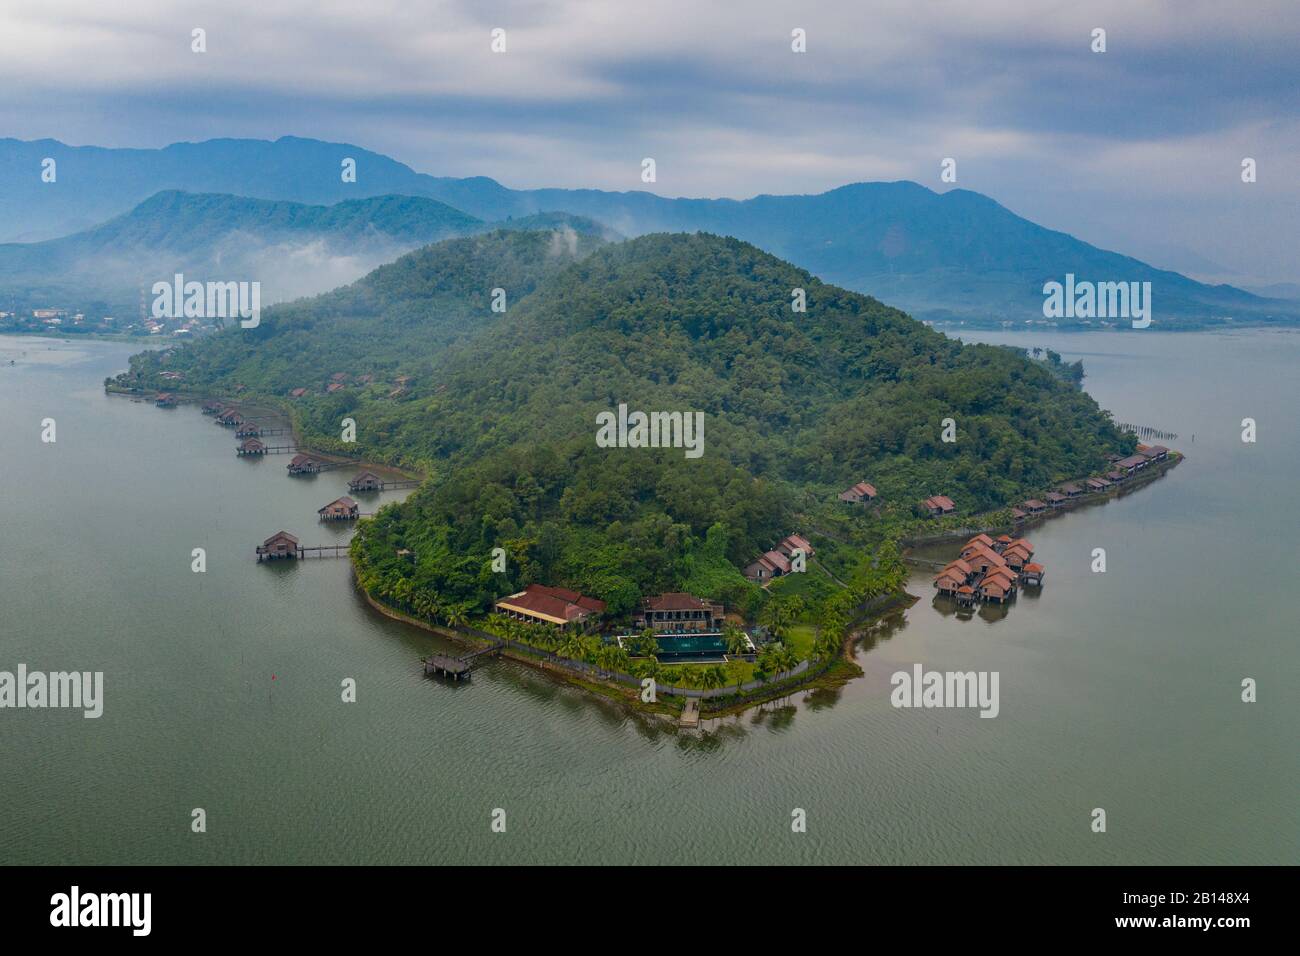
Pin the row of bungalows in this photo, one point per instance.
(1122, 469)
(340, 509)
(304, 465)
(938, 505)
(863, 493)
(777, 562)
(556, 607)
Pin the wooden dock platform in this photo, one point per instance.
(457, 668)
(690, 713)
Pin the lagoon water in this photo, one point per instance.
(223, 689)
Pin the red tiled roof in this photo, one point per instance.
(943, 502)
(860, 489)
(675, 601)
(792, 541)
(559, 605)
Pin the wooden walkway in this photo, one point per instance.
(320, 551)
(690, 713)
(445, 665)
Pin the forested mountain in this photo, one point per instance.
(956, 255)
(502, 408)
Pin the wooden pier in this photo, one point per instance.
(456, 668)
(267, 449)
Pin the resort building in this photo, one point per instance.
(303, 465)
(1034, 507)
(1018, 514)
(558, 607)
(938, 505)
(1098, 484)
(776, 562)
(340, 509)
(1055, 499)
(366, 481)
(165, 400)
(1072, 490)
(280, 545)
(773, 564)
(1153, 452)
(790, 543)
(679, 613)
(251, 446)
(298, 393)
(1131, 465)
(211, 408)
(861, 493)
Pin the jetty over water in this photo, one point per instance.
(457, 668)
(284, 546)
(369, 481)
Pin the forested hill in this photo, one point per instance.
(502, 408)
(396, 322)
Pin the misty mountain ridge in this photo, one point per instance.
(956, 256)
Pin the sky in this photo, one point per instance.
(1137, 149)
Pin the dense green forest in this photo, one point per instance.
(500, 409)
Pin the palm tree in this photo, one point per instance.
(713, 677)
(456, 615)
(572, 646)
(737, 642)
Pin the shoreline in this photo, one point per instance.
(833, 673)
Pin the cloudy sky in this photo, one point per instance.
(1137, 149)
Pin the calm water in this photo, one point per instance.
(1118, 690)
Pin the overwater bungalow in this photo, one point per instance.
(230, 418)
(1131, 465)
(1034, 506)
(1055, 499)
(210, 408)
(340, 509)
(366, 481)
(981, 539)
(965, 596)
(993, 590)
(251, 446)
(1071, 490)
(1031, 575)
(558, 607)
(165, 400)
(1098, 485)
(1018, 514)
(304, 465)
(280, 545)
(248, 430)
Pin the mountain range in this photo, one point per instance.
(956, 255)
